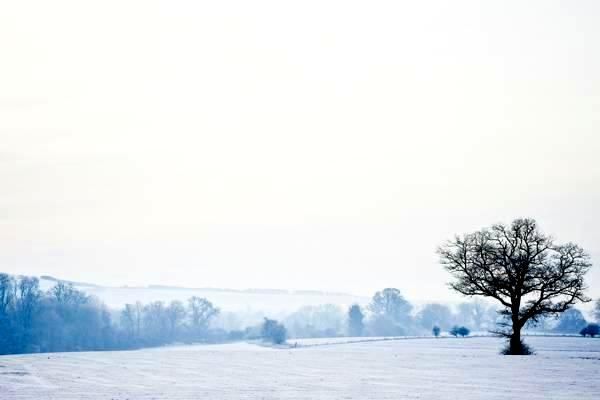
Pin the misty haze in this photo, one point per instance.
(299, 200)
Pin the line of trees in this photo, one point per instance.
(158, 323)
(387, 314)
(66, 319)
(390, 314)
(531, 278)
(61, 319)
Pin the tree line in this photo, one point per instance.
(66, 319)
(61, 319)
(533, 281)
(390, 314)
(531, 278)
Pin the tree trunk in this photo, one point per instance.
(515, 341)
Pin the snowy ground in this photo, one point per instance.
(564, 368)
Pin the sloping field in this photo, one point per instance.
(564, 368)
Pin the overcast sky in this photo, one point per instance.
(309, 144)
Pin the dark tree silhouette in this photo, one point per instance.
(436, 331)
(592, 329)
(521, 268)
(460, 331)
(454, 330)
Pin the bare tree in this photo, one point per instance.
(138, 308)
(200, 312)
(390, 314)
(175, 314)
(390, 303)
(521, 268)
(6, 290)
(129, 321)
(68, 299)
(7, 287)
(65, 293)
(27, 304)
(155, 323)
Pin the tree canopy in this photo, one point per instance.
(520, 267)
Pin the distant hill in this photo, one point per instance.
(264, 300)
(74, 283)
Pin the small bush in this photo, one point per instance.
(459, 331)
(591, 330)
(273, 331)
(436, 331)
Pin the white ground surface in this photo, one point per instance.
(564, 368)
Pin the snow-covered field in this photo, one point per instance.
(564, 368)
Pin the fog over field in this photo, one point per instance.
(264, 300)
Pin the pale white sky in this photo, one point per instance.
(316, 144)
